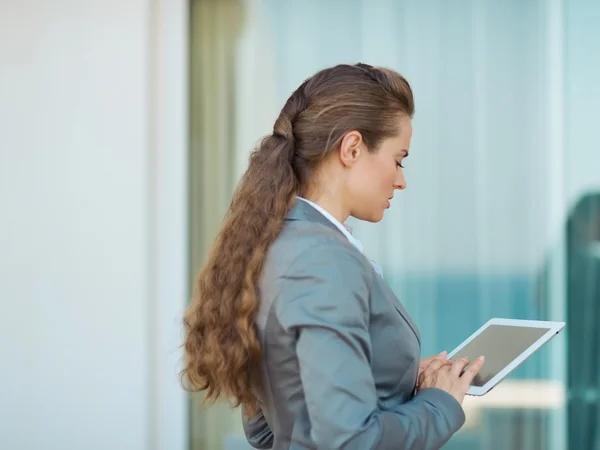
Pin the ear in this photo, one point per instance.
(351, 147)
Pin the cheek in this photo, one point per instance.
(382, 185)
(388, 177)
(375, 181)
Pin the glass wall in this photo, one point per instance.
(491, 222)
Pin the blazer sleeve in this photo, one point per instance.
(257, 430)
(326, 303)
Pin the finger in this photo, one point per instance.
(473, 370)
(459, 365)
(426, 361)
(435, 365)
(423, 365)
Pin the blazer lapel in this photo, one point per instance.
(400, 308)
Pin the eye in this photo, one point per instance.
(399, 164)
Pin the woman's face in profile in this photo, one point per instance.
(377, 175)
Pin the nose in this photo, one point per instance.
(400, 182)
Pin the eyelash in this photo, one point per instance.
(399, 165)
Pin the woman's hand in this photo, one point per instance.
(451, 377)
(425, 362)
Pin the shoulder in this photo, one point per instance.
(303, 246)
(319, 275)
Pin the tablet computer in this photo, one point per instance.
(506, 344)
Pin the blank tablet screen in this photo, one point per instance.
(500, 344)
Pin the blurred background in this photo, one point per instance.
(125, 125)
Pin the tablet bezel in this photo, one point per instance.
(553, 329)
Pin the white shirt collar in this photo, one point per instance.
(343, 228)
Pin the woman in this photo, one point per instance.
(289, 318)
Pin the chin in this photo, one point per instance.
(370, 216)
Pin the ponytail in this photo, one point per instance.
(221, 345)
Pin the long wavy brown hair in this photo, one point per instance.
(222, 349)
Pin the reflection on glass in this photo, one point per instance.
(583, 314)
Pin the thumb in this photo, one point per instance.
(443, 354)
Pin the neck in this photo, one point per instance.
(327, 191)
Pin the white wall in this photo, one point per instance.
(93, 224)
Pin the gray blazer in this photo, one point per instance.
(340, 353)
